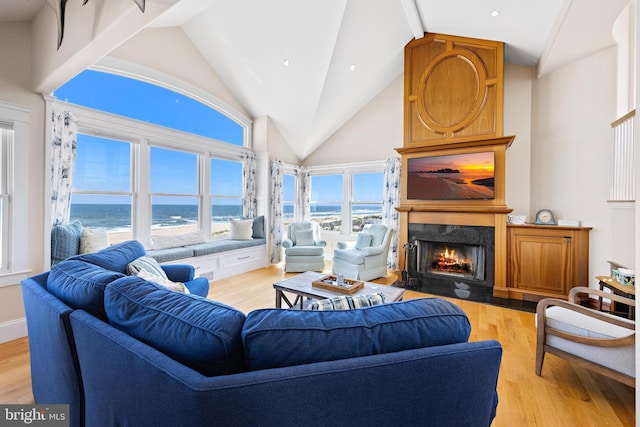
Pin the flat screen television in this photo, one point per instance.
(451, 177)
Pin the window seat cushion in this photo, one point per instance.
(202, 249)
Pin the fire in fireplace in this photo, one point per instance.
(459, 260)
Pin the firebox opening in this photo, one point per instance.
(452, 259)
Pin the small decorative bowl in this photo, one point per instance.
(516, 219)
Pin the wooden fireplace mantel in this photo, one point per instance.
(453, 106)
(486, 216)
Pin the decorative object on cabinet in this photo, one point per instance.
(545, 217)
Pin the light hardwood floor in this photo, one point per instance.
(563, 396)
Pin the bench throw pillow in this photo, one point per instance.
(65, 241)
(197, 332)
(348, 302)
(276, 338)
(93, 240)
(241, 229)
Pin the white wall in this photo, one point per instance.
(169, 51)
(571, 150)
(15, 88)
(517, 121)
(372, 134)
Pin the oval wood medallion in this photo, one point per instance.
(452, 91)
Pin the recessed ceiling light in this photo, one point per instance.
(286, 62)
(494, 13)
(352, 67)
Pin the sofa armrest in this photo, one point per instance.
(373, 250)
(179, 272)
(320, 243)
(287, 243)
(344, 245)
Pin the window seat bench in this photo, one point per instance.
(213, 259)
(217, 259)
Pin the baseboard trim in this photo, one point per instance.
(13, 330)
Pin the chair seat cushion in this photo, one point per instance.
(304, 251)
(352, 256)
(276, 337)
(579, 324)
(621, 359)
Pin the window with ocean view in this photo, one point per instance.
(101, 195)
(288, 199)
(226, 195)
(174, 191)
(366, 199)
(163, 164)
(326, 201)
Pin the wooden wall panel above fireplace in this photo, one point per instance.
(453, 90)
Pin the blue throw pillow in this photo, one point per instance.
(199, 333)
(81, 285)
(65, 241)
(115, 257)
(276, 338)
(258, 227)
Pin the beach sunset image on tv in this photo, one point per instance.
(453, 177)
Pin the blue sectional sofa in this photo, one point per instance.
(125, 351)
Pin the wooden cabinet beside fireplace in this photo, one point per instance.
(546, 261)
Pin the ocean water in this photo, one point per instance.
(118, 217)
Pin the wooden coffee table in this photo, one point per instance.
(301, 287)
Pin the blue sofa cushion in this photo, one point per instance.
(65, 241)
(276, 337)
(199, 333)
(81, 285)
(115, 257)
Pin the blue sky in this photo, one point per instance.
(154, 104)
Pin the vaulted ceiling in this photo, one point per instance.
(342, 53)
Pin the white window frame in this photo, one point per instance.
(290, 170)
(210, 196)
(142, 135)
(16, 265)
(347, 171)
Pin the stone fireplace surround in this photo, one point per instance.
(455, 285)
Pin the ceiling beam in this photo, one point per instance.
(413, 16)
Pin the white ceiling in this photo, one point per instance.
(246, 42)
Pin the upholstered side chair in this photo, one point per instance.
(366, 260)
(596, 340)
(303, 248)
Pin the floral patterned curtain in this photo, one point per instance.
(303, 203)
(249, 198)
(64, 128)
(275, 230)
(390, 200)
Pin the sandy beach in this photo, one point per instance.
(436, 188)
(221, 229)
(218, 229)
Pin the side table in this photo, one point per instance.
(627, 291)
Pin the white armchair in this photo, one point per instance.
(303, 248)
(585, 337)
(366, 260)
